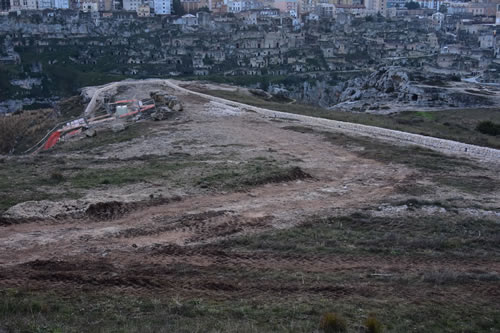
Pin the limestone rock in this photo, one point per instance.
(161, 113)
(118, 127)
(177, 106)
(402, 86)
(90, 133)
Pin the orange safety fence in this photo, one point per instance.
(52, 140)
(147, 107)
(124, 101)
(74, 132)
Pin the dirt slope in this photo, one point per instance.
(184, 246)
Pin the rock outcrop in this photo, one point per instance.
(396, 86)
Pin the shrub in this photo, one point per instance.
(373, 325)
(23, 129)
(333, 323)
(10, 129)
(488, 127)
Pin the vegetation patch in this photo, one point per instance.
(20, 130)
(333, 323)
(488, 128)
(470, 184)
(49, 178)
(147, 171)
(30, 179)
(439, 234)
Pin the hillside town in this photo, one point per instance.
(344, 54)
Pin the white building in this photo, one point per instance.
(187, 20)
(234, 6)
(88, 6)
(61, 4)
(46, 4)
(438, 19)
(23, 4)
(497, 19)
(430, 4)
(456, 7)
(131, 5)
(162, 7)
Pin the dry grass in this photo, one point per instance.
(19, 130)
(373, 325)
(333, 323)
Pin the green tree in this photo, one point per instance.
(443, 9)
(177, 7)
(412, 5)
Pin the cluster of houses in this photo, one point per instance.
(295, 8)
(256, 42)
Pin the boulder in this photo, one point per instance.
(90, 133)
(177, 106)
(161, 113)
(118, 127)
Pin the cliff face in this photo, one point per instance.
(406, 88)
(318, 92)
(390, 89)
